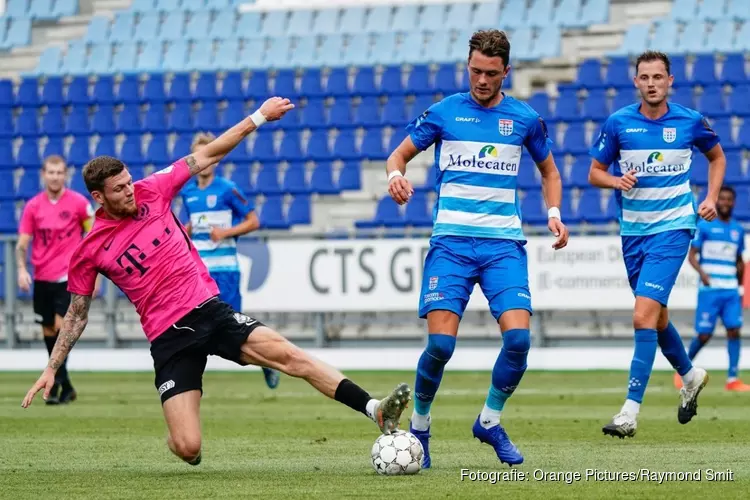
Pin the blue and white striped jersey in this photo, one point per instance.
(478, 154)
(219, 204)
(660, 152)
(720, 244)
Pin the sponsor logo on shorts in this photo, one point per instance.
(244, 319)
(169, 384)
(433, 282)
(433, 297)
(654, 285)
(524, 295)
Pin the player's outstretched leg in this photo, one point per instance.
(265, 347)
(699, 341)
(182, 414)
(430, 368)
(272, 377)
(506, 375)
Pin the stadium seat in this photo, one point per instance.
(737, 11)
(566, 107)
(8, 223)
(103, 121)
(181, 118)
(131, 152)
(387, 213)
(79, 152)
(143, 6)
(693, 38)
(733, 70)
(7, 161)
(263, 148)
(18, 34)
(344, 146)
(635, 40)
(735, 176)
(721, 39)
(321, 180)
(300, 210)
(704, 70)
(15, 9)
(153, 90)
(532, 210)
(105, 146)
(27, 123)
(147, 28)
(121, 30)
(128, 91)
(357, 51)
(313, 115)
(173, 27)
(372, 145)
(194, 6)
(272, 214)
(417, 213)
(197, 27)
(589, 74)
(124, 59)
(326, 21)
(224, 25)
(50, 61)
(317, 146)
(699, 170)
(295, 181)
(157, 153)
(487, 15)
(29, 185)
(684, 10)
(274, 23)
(54, 146)
(625, 97)
(290, 149)
(568, 15)
(683, 96)
(53, 122)
(595, 106)
(175, 58)
(711, 102)
(155, 120)
(738, 101)
(666, 36)
(28, 93)
(7, 190)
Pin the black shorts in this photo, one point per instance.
(50, 299)
(180, 353)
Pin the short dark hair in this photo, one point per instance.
(54, 159)
(491, 43)
(98, 170)
(654, 55)
(729, 189)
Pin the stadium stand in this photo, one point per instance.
(139, 79)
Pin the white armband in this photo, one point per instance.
(395, 173)
(258, 118)
(554, 213)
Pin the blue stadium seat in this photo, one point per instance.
(179, 89)
(738, 101)
(326, 21)
(29, 185)
(105, 146)
(155, 120)
(590, 207)
(539, 101)
(666, 36)
(625, 97)
(340, 115)
(124, 58)
(103, 92)
(457, 16)
(181, 118)
(150, 59)
(79, 152)
(723, 128)
(419, 80)
(367, 113)
(566, 108)
(364, 82)
(352, 20)
(6, 155)
(173, 27)
(394, 112)
(445, 79)
(8, 223)
(487, 14)
(18, 33)
(568, 15)
(318, 147)
(635, 40)
(223, 26)
(595, 106)
(574, 142)
(300, 210)
(711, 102)
(143, 6)
(27, 123)
(28, 93)
(181, 147)
(248, 24)
(539, 14)
(405, 18)
(194, 6)
(267, 181)
(153, 90)
(74, 60)
(54, 146)
(618, 74)
(7, 128)
(53, 122)
(15, 9)
(205, 88)
(78, 185)
(78, 122)
(156, 152)
(274, 23)
(579, 172)
(99, 59)
(693, 38)
(372, 145)
(527, 175)
(734, 174)
(357, 51)
(198, 26)
(50, 60)
(313, 115)
(684, 10)
(417, 213)
(103, 121)
(390, 81)
(733, 70)
(721, 39)
(438, 49)
(589, 74)
(337, 84)
(257, 86)
(432, 18)
(121, 30)
(321, 181)
(290, 149)
(387, 51)
(272, 214)
(232, 115)
(176, 57)
(128, 92)
(310, 84)
(28, 154)
(737, 10)
(232, 87)
(300, 22)
(330, 52)
(532, 210)
(704, 70)
(129, 120)
(131, 152)
(263, 148)
(547, 43)
(285, 83)
(7, 191)
(147, 28)
(295, 181)
(683, 96)
(344, 146)
(379, 19)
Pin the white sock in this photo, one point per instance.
(420, 422)
(371, 408)
(489, 417)
(631, 407)
(688, 378)
(731, 379)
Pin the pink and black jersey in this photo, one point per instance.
(56, 229)
(148, 256)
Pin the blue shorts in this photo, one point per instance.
(654, 261)
(454, 264)
(715, 303)
(229, 288)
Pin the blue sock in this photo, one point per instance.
(674, 350)
(439, 350)
(695, 346)
(508, 371)
(733, 348)
(643, 362)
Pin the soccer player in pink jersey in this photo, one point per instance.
(54, 222)
(140, 245)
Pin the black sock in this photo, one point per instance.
(61, 377)
(352, 396)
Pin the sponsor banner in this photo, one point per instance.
(386, 275)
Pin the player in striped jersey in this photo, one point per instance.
(220, 213)
(650, 146)
(477, 236)
(719, 245)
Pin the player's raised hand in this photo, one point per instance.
(275, 107)
(24, 280)
(707, 210)
(46, 381)
(627, 181)
(557, 228)
(400, 189)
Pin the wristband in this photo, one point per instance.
(554, 212)
(258, 118)
(741, 290)
(395, 173)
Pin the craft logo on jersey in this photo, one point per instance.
(488, 150)
(669, 134)
(505, 126)
(655, 156)
(211, 200)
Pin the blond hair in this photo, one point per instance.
(201, 139)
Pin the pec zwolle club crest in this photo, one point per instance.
(669, 134)
(505, 126)
(211, 200)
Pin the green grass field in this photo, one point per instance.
(294, 443)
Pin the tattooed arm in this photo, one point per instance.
(73, 325)
(271, 110)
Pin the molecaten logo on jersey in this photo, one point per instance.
(669, 134)
(654, 165)
(505, 126)
(484, 159)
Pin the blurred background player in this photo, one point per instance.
(477, 235)
(719, 245)
(650, 144)
(220, 213)
(54, 221)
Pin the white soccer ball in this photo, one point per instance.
(397, 454)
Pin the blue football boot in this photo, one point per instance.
(496, 437)
(272, 377)
(424, 438)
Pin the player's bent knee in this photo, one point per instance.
(441, 346)
(704, 338)
(733, 333)
(517, 340)
(186, 447)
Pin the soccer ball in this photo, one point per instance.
(397, 454)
